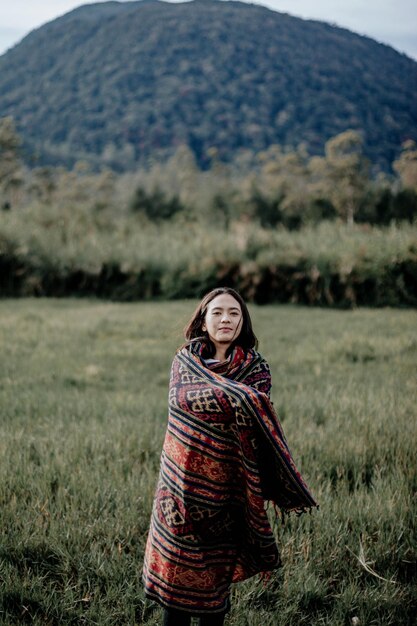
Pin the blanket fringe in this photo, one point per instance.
(283, 514)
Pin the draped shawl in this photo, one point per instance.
(223, 456)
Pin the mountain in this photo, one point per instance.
(118, 82)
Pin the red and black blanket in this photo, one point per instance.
(224, 455)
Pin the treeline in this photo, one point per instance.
(272, 187)
(279, 226)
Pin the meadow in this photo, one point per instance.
(83, 395)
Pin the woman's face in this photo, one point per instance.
(223, 321)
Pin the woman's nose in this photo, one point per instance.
(225, 317)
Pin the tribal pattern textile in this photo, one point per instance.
(223, 456)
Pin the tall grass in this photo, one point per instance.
(83, 390)
(123, 256)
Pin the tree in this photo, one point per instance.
(43, 184)
(346, 172)
(10, 165)
(406, 165)
(155, 205)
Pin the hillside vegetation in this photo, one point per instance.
(115, 83)
(83, 391)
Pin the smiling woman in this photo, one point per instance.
(224, 455)
(223, 322)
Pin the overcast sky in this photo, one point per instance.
(393, 22)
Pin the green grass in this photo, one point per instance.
(83, 391)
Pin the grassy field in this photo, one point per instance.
(83, 392)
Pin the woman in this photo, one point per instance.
(224, 455)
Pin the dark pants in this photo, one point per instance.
(174, 617)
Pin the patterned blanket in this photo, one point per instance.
(224, 455)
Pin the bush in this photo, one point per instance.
(155, 205)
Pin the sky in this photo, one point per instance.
(393, 22)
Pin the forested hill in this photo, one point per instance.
(114, 83)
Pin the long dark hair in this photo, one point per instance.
(194, 329)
